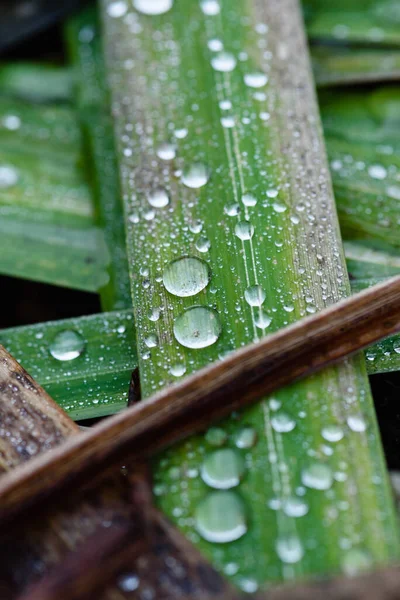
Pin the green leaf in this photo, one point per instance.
(87, 368)
(35, 82)
(218, 200)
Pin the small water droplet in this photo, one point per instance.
(225, 104)
(377, 172)
(215, 45)
(223, 469)
(255, 80)
(249, 200)
(153, 7)
(196, 175)
(117, 9)
(197, 327)
(203, 244)
(279, 208)
(133, 218)
(223, 62)
(356, 423)
(11, 122)
(178, 370)
(356, 561)
(128, 582)
(295, 507)
(166, 151)
(317, 476)
(244, 230)
(153, 314)
(228, 122)
(255, 295)
(158, 198)
(282, 422)
(332, 433)
(262, 320)
(221, 517)
(232, 210)
(289, 549)
(8, 176)
(186, 276)
(181, 133)
(216, 436)
(67, 345)
(210, 7)
(246, 437)
(151, 340)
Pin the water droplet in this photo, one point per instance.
(262, 320)
(153, 7)
(295, 507)
(223, 62)
(203, 244)
(244, 230)
(228, 122)
(282, 422)
(186, 276)
(8, 176)
(248, 585)
(279, 208)
(246, 437)
(117, 9)
(215, 45)
(133, 218)
(225, 104)
(356, 423)
(255, 295)
(158, 198)
(154, 314)
(216, 436)
(67, 345)
(221, 517)
(289, 549)
(377, 172)
(210, 7)
(355, 561)
(166, 151)
(180, 134)
(317, 476)
(198, 327)
(232, 210)
(332, 433)
(249, 200)
(151, 340)
(223, 469)
(396, 347)
(11, 122)
(178, 370)
(128, 582)
(393, 191)
(196, 175)
(255, 80)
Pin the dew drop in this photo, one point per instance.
(8, 176)
(262, 320)
(295, 507)
(332, 433)
(225, 104)
(203, 244)
(223, 469)
(255, 295)
(117, 9)
(223, 62)
(197, 327)
(196, 175)
(282, 422)
(246, 437)
(393, 191)
(11, 122)
(221, 517)
(355, 561)
(289, 549)
(186, 276)
(232, 210)
(279, 208)
(215, 45)
(210, 7)
(153, 314)
(255, 80)
(151, 340)
(356, 423)
(228, 122)
(158, 198)
(67, 345)
(178, 370)
(166, 151)
(396, 347)
(128, 582)
(244, 230)
(377, 172)
(216, 436)
(153, 7)
(249, 200)
(317, 476)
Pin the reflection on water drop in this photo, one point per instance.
(117, 9)
(255, 295)
(153, 7)
(67, 345)
(255, 80)
(223, 469)
(210, 7)
(216, 436)
(8, 176)
(282, 422)
(246, 437)
(317, 476)
(166, 151)
(128, 582)
(224, 62)
(289, 549)
(197, 327)
(178, 370)
(186, 276)
(221, 517)
(158, 198)
(262, 320)
(196, 175)
(356, 561)
(244, 230)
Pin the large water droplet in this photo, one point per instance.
(210, 7)
(186, 276)
(198, 327)
(246, 437)
(255, 295)
(244, 230)
(289, 549)
(196, 175)
(8, 176)
(166, 151)
(282, 422)
(67, 345)
(223, 469)
(355, 561)
(153, 7)
(317, 476)
(158, 198)
(255, 80)
(221, 517)
(224, 62)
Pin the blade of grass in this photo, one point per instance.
(35, 82)
(366, 259)
(94, 381)
(171, 89)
